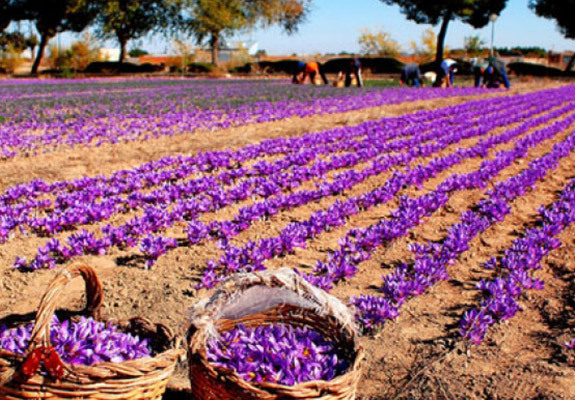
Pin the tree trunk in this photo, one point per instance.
(215, 44)
(123, 43)
(569, 66)
(44, 38)
(441, 37)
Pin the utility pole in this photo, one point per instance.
(493, 17)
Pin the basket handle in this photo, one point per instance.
(41, 333)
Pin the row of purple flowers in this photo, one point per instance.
(58, 117)
(191, 198)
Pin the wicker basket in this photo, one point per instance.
(144, 378)
(300, 304)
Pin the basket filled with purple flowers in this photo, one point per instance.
(73, 354)
(272, 335)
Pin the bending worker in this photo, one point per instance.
(490, 73)
(447, 69)
(410, 75)
(479, 67)
(353, 68)
(495, 74)
(311, 69)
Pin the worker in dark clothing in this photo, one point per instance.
(495, 74)
(298, 72)
(410, 75)
(479, 67)
(447, 69)
(353, 68)
(311, 69)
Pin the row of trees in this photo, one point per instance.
(126, 20)
(213, 20)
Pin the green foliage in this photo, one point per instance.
(472, 12)
(112, 67)
(377, 44)
(562, 11)
(380, 83)
(52, 16)
(199, 67)
(126, 20)
(137, 52)
(68, 73)
(524, 51)
(522, 68)
(216, 19)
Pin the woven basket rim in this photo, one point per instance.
(104, 370)
(195, 339)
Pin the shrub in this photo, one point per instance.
(201, 67)
(11, 59)
(114, 67)
(523, 68)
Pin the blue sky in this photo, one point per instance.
(335, 25)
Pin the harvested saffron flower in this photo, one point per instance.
(279, 353)
(85, 342)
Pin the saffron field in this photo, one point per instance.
(444, 218)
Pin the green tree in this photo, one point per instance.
(562, 12)
(473, 45)
(53, 16)
(216, 19)
(377, 43)
(137, 52)
(473, 12)
(126, 20)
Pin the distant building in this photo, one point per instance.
(559, 60)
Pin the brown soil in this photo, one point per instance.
(419, 356)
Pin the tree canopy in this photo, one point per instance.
(562, 12)
(216, 19)
(378, 43)
(5, 14)
(125, 20)
(473, 12)
(14, 39)
(53, 16)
